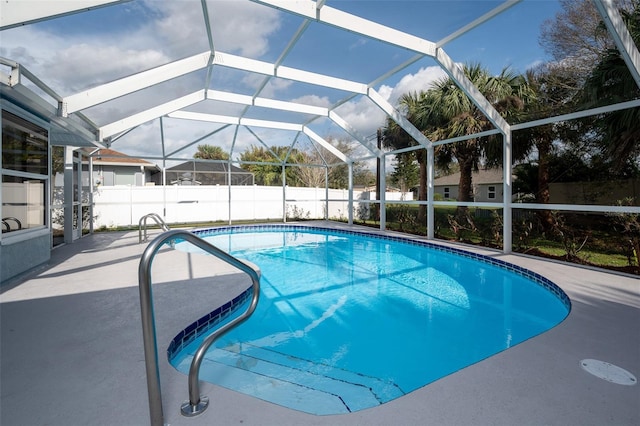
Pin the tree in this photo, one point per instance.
(338, 171)
(609, 82)
(575, 37)
(406, 172)
(550, 92)
(446, 112)
(309, 174)
(394, 137)
(267, 167)
(210, 152)
(363, 176)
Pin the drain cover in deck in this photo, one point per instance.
(609, 372)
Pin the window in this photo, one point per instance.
(491, 192)
(446, 192)
(25, 172)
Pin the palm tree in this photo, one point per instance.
(210, 152)
(394, 137)
(268, 171)
(446, 112)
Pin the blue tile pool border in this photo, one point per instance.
(204, 324)
(208, 321)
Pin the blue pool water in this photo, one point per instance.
(348, 321)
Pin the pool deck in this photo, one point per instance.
(71, 349)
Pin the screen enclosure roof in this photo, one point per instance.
(155, 79)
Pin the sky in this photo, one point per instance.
(77, 52)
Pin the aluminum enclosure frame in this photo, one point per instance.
(68, 114)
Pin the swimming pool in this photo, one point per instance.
(348, 321)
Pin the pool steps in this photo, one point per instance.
(269, 375)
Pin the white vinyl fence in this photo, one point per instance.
(125, 205)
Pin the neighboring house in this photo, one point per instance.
(111, 168)
(207, 173)
(487, 186)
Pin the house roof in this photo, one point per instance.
(205, 166)
(478, 177)
(112, 157)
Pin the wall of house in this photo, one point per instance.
(25, 241)
(23, 253)
(453, 192)
(119, 175)
(124, 206)
(480, 192)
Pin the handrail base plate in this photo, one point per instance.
(189, 410)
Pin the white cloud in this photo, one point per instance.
(149, 133)
(163, 31)
(72, 63)
(417, 82)
(363, 115)
(320, 101)
(242, 27)
(100, 64)
(180, 26)
(366, 117)
(271, 88)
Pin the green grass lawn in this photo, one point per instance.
(594, 257)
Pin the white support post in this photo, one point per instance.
(68, 194)
(229, 186)
(79, 193)
(326, 192)
(430, 208)
(164, 171)
(507, 191)
(91, 194)
(164, 190)
(383, 193)
(350, 173)
(284, 194)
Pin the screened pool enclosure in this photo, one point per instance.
(155, 80)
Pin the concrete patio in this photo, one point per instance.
(71, 349)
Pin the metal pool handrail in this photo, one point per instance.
(144, 218)
(197, 403)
